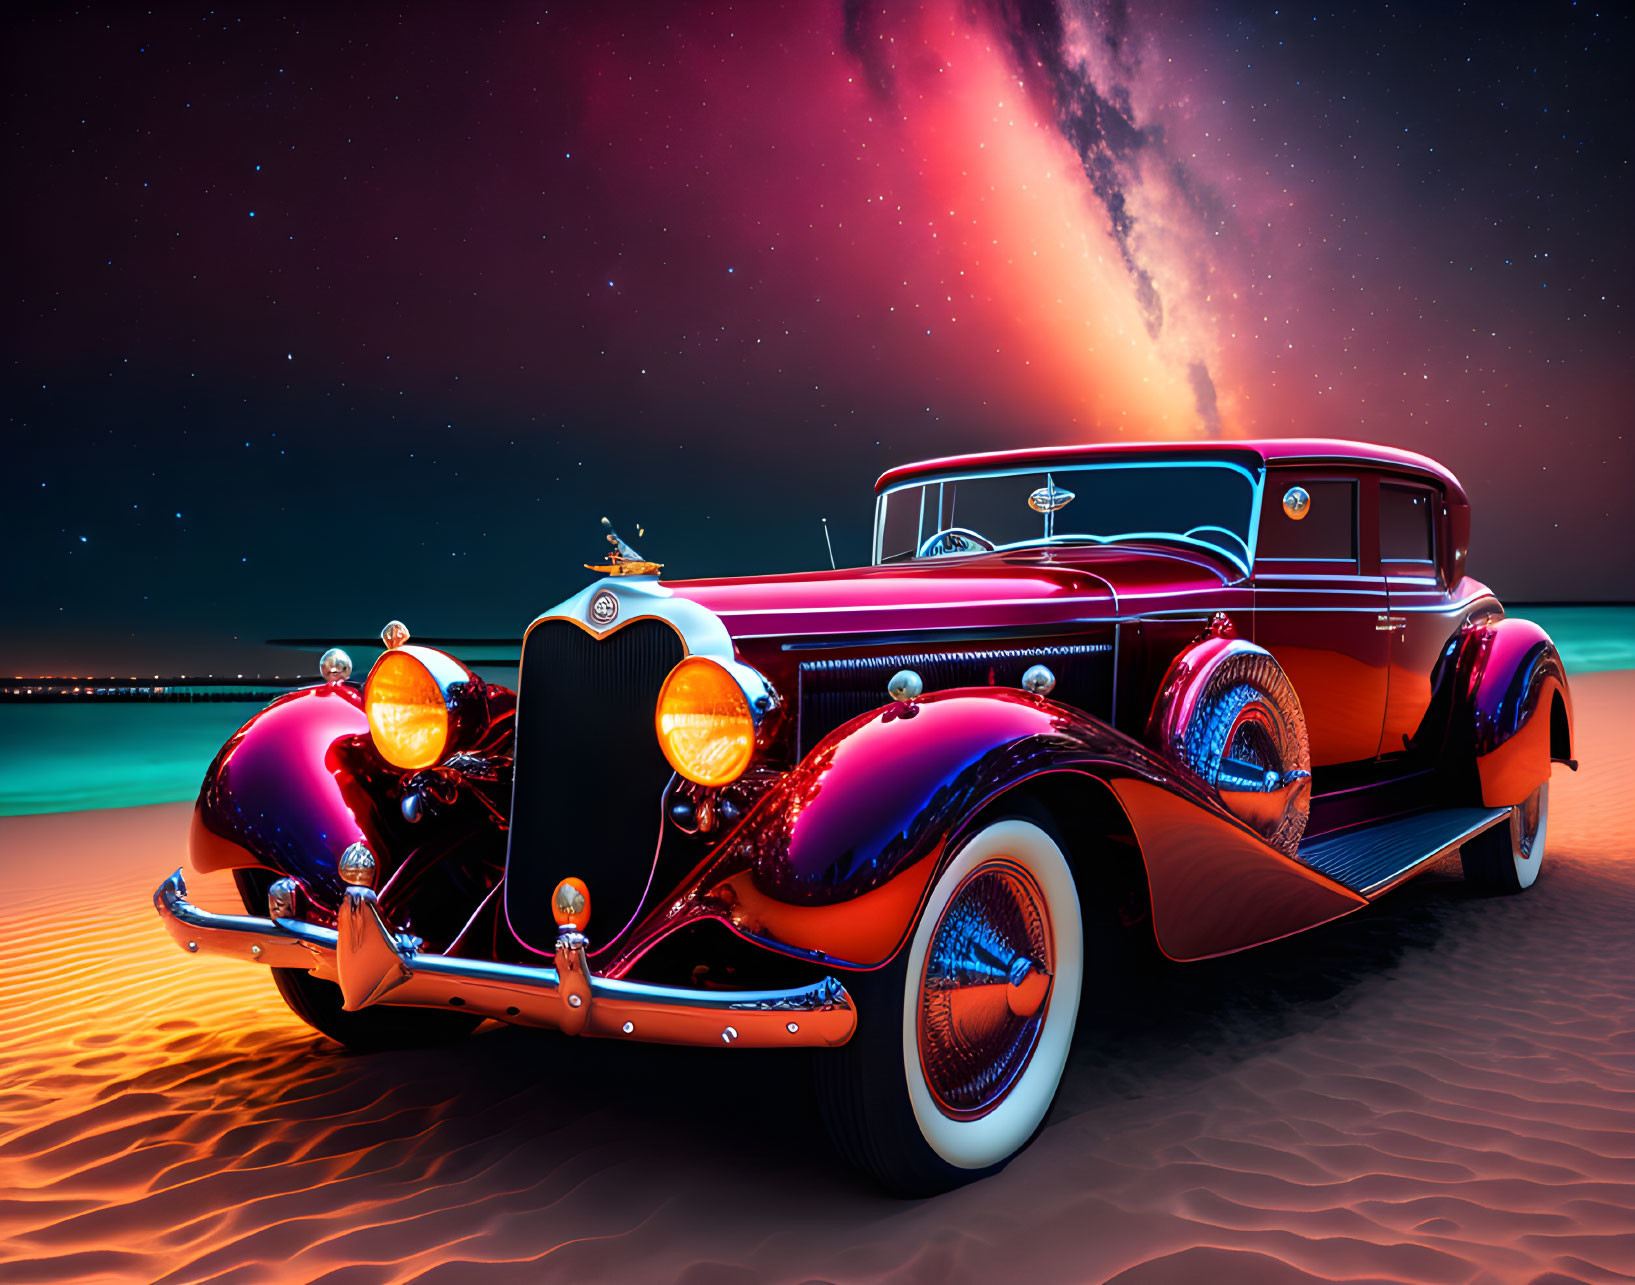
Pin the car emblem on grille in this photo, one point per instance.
(604, 608)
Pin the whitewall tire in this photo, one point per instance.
(963, 1037)
(1507, 857)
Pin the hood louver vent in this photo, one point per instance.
(833, 692)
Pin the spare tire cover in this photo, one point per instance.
(1234, 720)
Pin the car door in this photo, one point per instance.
(1319, 598)
(1421, 616)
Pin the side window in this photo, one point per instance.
(1407, 532)
(1322, 529)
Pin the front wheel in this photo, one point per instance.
(318, 1002)
(368, 1030)
(1506, 858)
(962, 1038)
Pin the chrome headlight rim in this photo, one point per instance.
(762, 698)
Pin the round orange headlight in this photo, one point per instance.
(408, 716)
(704, 724)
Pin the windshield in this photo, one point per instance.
(1208, 504)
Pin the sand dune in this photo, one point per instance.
(1439, 1090)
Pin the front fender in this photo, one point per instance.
(1519, 708)
(834, 861)
(281, 795)
(300, 782)
(861, 807)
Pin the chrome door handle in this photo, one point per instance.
(1390, 624)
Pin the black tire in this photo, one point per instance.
(878, 1100)
(369, 1030)
(1506, 858)
(318, 1002)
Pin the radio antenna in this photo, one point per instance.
(830, 543)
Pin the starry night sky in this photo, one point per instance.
(313, 320)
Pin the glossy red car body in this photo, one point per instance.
(1419, 696)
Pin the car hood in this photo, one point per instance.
(1028, 591)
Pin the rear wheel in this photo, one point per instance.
(1506, 858)
(962, 1038)
(318, 1002)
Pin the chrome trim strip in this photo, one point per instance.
(1265, 572)
(933, 476)
(1373, 591)
(643, 597)
(377, 965)
(876, 608)
(1052, 629)
(1112, 713)
(1061, 628)
(974, 636)
(1435, 609)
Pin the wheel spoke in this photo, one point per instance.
(985, 991)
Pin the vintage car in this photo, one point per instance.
(1204, 695)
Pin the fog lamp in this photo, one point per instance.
(408, 713)
(570, 905)
(704, 722)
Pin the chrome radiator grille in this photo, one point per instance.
(589, 773)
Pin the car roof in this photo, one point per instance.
(1280, 450)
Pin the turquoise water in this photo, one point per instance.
(68, 757)
(1590, 639)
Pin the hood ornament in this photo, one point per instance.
(624, 561)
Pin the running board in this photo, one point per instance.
(1376, 857)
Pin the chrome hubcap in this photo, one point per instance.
(986, 989)
(1252, 741)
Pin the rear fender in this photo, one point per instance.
(1519, 709)
(834, 862)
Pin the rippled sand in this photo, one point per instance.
(1439, 1090)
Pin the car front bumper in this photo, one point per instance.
(373, 964)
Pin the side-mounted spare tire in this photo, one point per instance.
(1228, 713)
